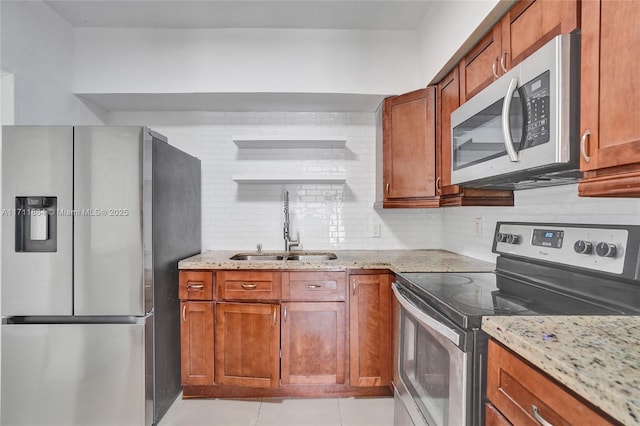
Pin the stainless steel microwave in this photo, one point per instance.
(522, 130)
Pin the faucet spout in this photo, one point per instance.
(288, 242)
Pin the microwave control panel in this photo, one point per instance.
(536, 109)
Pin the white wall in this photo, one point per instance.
(238, 216)
(446, 27)
(559, 204)
(116, 60)
(37, 48)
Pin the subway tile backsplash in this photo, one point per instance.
(238, 216)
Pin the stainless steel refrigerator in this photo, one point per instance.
(94, 222)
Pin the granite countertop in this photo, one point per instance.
(394, 260)
(598, 357)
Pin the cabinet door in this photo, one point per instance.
(531, 24)
(313, 343)
(409, 150)
(370, 330)
(248, 344)
(610, 98)
(481, 66)
(196, 343)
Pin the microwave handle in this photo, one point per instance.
(506, 120)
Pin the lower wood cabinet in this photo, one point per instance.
(286, 333)
(196, 340)
(313, 343)
(520, 394)
(370, 330)
(248, 344)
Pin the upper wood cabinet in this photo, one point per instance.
(447, 100)
(524, 29)
(409, 151)
(610, 99)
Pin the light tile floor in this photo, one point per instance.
(370, 411)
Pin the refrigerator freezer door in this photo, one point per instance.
(75, 374)
(109, 259)
(37, 163)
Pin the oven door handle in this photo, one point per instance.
(425, 319)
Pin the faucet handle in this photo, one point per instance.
(259, 248)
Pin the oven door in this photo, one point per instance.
(434, 369)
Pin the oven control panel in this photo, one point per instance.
(602, 249)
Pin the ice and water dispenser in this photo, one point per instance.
(36, 224)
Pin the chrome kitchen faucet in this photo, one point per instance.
(288, 242)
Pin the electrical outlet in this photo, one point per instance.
(478, 226)
(375, 230)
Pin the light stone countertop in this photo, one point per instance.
(598, 357)
(394, 260)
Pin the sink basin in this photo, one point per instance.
(256, 256)
(309, 257)
(300, 256)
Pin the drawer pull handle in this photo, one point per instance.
(583, 145)
(538, 417)
(184, 313)
(314, 286)
(248, 286)
(195, 287)
(494, 68)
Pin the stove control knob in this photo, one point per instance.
(513, 239)
(501, 238)
(583, 247)
(606, 250)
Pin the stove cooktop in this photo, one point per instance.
(466, 297)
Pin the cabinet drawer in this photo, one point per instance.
(322, 286)
(196, 285)
(249, 285)
(515, 388)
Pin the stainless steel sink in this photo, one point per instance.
(256, 256)
(309, 257)
(300, 256)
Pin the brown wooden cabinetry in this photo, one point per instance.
(248, 285)
(610, 99)
(524, 29)
(196, 343)
(518, 392)
(370, 329)
(196, 290)
(247, 338)
(409, 152)
(447, 100)
(313, 343)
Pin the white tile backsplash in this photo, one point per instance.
(338, 216)
(327, 216)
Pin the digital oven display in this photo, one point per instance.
(547, 238)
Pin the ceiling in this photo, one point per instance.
(312, 14)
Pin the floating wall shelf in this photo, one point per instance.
(334, 179)
(262, 142)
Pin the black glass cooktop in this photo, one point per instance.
(466, 297)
